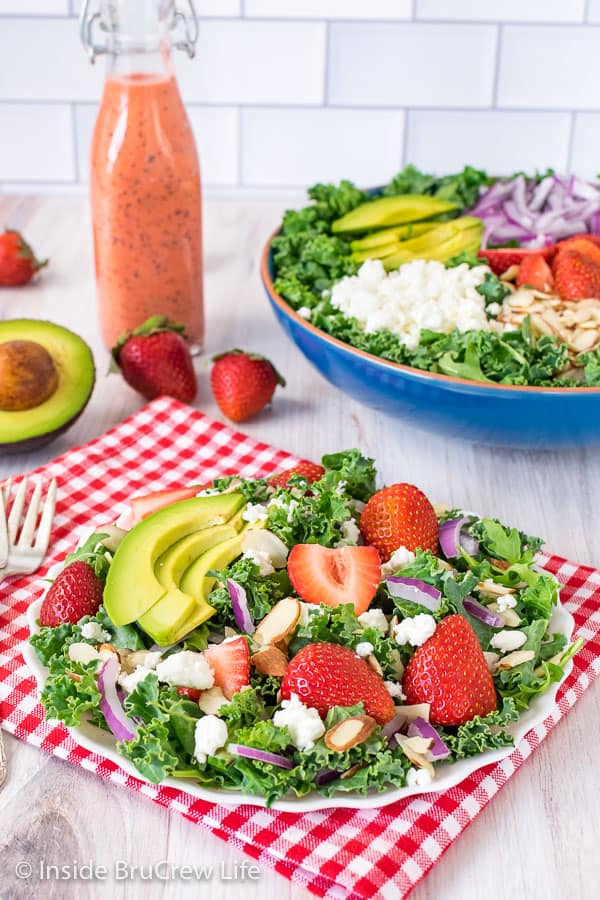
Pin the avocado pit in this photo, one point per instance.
(28, 376)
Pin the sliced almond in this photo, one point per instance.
(270, 661)
(280, 622)
(349, 733)
(516, 658)
(584, 340)
(212, 700)
(107, 648)
(73, 676)
(352, 771)
(510, 274)
(414, 711)
(491, 660)
(416, 757)
(372, 661)
(489, 588)
(500, 563)
(511, 618)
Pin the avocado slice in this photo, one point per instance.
(26, 429)
(169, 620)
(171, 565)
(132, 587)
(391, 211)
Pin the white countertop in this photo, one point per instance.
(537, 839)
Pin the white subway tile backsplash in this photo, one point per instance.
(585, 158)
(329, 9)
(411, 64)
(219, 8)
(505, 11)
(216, 132)
(256, 62)
(548, 67)
(298, 147)
(593, 13)
(34, 7)
(42, 59)
(36, 142)
(499, 141)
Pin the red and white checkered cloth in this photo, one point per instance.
(378, 853)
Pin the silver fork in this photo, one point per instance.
(22, 555)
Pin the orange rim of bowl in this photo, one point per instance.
(388, 364)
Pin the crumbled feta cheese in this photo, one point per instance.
(350, 533)
(506, 641)
(278, 502)
(81, 652)
(420, 294)
(186, 669)
(374, 618)
(305, 313)
(340, 488)
(151, 660)
(395, 689)
(261, 559)
(416, 630)
(491, 661)
(293, 505)
(417, 777)
(255, 512)
(506, 601)
(493, 309)
(211, 701)
(303, 722)
(210, 734)
(130, 681)
(400, 559)
(365, 648)
(94, 632)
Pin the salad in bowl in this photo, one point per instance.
(301, 639)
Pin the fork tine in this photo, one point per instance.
(5, 490)
(26, 536)
(43, 537)
(3, 533)
(16, 510)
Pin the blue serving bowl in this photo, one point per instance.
(501, 415)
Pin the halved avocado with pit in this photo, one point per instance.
(47, 375)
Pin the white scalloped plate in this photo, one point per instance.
(101, 742)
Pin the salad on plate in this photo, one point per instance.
(495, 280)
(303, 635)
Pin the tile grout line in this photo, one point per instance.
(571, 142)
(327, 64)
(405, 141)
(496, 80)
(75, 143)
(240, 152)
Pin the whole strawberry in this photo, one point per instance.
(155, 359)
(75, 593)
(450, 673)
(325, 675)
(399, 516)
(18, 263)
(243, 383)
(309, 470)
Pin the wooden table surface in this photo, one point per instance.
(537, 839)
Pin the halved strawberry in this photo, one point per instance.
(230, 662)
(535, 272)
(324, 675)
(189, 693)
(309, 470)
(146, 504)
(500, 259)
(334, 576)
(576, 276)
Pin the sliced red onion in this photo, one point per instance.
(241, 611)
(393, 726)
(116, 718)
(422, 728)
(481, 612)
(453, 536)
(325, 776)
(261, 755)
(415, 590)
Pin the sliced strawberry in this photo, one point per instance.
(500, 259)
(230, 662)
(535, 272)
(189, 693)
(576, 276)
(343, 575)
(146, 504)
(309, 470)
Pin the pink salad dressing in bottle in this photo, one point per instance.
(145, 177)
